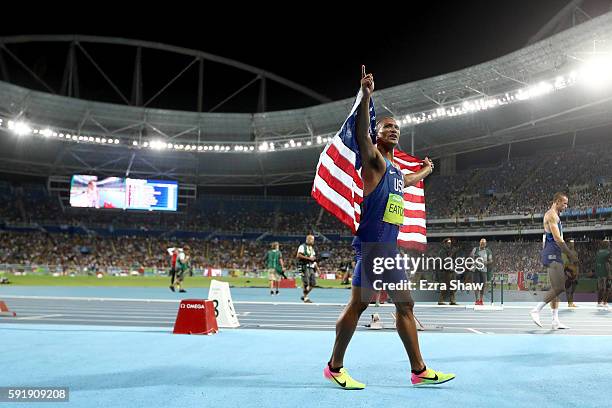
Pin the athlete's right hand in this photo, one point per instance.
(367, 82)
(427, 163)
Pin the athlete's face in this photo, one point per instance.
(483, 243)
(388, 132)
(561, 204)
(309, 240)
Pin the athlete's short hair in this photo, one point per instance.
(558, 196)
(380, 121)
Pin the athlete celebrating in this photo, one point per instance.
(383, 187)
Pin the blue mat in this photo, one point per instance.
(131, 367)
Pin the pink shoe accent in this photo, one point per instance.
(327, 373)
(416, 379)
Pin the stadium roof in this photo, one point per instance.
(490, 98)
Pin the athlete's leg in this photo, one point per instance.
(347, 323)
(406, 327)
(556, 277)
(554, 304)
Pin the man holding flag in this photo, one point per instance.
(378, 191)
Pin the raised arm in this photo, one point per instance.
(371, 159)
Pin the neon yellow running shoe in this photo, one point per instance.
(343, 379)
(431, 377)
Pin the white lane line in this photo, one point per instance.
(584, 306)
(93, 311)
(474, 330)
(101, 299)
(106, 299)
(38, 317)
(94, 322)
(118, 312)
(298, 326)
(97, 317)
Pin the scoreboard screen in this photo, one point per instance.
(153, 195)
(88, 191)
(127, 194)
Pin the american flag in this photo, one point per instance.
(338, 186)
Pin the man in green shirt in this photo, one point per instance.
(274, 265)
(603, 271)
(183, 264)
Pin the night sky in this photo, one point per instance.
(307, 43)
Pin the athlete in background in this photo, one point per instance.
(554, 245)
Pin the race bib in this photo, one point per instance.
(394, 212)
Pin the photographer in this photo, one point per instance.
(306, 265)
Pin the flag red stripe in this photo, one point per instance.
(413, 228)
(414, 214)
(417, 246)
(414, 198)
(344, 164)
(334, 210)
(335, 184)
